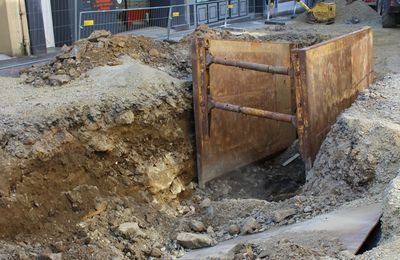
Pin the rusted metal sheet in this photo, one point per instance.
(226, 140)
(329, 75)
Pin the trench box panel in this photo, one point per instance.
(329, 77)
(227, 140)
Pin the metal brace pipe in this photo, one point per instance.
(249, 65)
(253, 112)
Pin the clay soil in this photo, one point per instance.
(103, 137)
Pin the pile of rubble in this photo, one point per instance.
(100, 49)
(104, 49)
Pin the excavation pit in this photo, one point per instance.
(265, 180)
(77, 176)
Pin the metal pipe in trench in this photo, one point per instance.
(250, 65)
(254, 112)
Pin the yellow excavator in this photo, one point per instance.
(322, 12)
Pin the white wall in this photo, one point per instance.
(48, 23)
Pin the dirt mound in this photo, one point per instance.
(301, 39)
(362, 151)
(345, 12)
(203, 31)
(102, 48)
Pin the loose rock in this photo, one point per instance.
(177, 186)
(57, 80)
(125, 118)
(280, 215)
(193, 241)
(121, 44)
(96, 35)
(210, 231)
(50, 256)
(23, 256)
(197, 226)
(101, 143)
(205, 203)
(65, 48)
(308, 209)
(155, 252)
(250, 226)
(234, 229)
(131, 230)
(154, 53)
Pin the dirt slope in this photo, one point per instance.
(71, 153)
(362, 148)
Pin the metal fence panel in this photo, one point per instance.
(73, 19)
(36, 26)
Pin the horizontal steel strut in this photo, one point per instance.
(253, 112)
(248, 65)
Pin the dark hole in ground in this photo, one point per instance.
(372, 240)
(266, 180)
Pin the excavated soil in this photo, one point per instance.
(355, 157)
(96, 147)
(102, 48)
(102, 164)
(110, 143)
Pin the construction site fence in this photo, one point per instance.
(168, 22)
(50, 23)
(53, 23)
